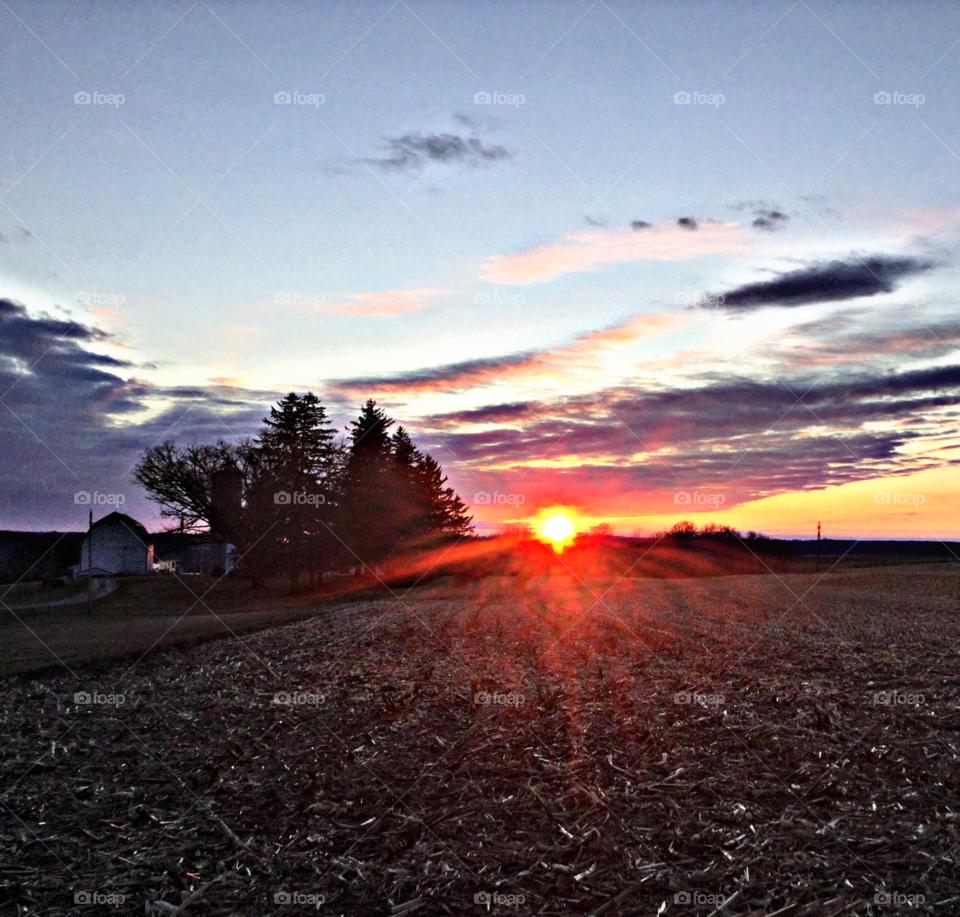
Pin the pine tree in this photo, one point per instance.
(297, 445)
(446, 513)
(292, 500)
(368, 508)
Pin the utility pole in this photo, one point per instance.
(90, 564)
(818, 547)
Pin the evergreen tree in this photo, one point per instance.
(368, 508)
(292, 499)
(446, 513)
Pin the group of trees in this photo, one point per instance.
(296, 497)
(712, 531)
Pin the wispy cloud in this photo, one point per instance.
(412, 151)
(590, 250)
(381, 302)
(580, 354)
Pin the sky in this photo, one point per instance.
(643, 262)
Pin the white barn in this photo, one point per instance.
(116, 544)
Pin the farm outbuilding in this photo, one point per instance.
(116, 544)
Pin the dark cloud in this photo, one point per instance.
(826, 282)
(687, 222)
(640, 224)
(770, 220)
(74, 419)
(755, 437)
(412, 151)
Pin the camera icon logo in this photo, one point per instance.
(681, 98)
(483, 898)
(82, 697)
(481, 98)
(82, 497)
(81, 98)
(281, 497)
(281, 98)
(881, 497)
(281, 898)
(481, 497)
(682, 497)
(481, 698)
(682, 898)
(881, 98)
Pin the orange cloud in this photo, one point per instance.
(381, 302)
(592, 249)
(581, 353)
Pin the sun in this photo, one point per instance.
(557, 528)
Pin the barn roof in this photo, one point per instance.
(127, 522)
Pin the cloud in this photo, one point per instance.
(687, 222)
(589, 250)
(579, 354)
(825, 282)
(412, 151)
(770, 220)
(381, 302)
(632, 438)
(75, 419)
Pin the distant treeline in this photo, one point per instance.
(295, 497)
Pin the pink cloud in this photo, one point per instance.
(589, 250)
(381, 302)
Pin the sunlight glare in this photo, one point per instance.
(557, 528)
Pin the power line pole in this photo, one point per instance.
(90, 564)
(818, 547)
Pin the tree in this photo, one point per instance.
(367, 515)
(195, 484)
(292, 495)
(445, 513)
(683, 530)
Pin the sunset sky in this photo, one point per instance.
(507, 224)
